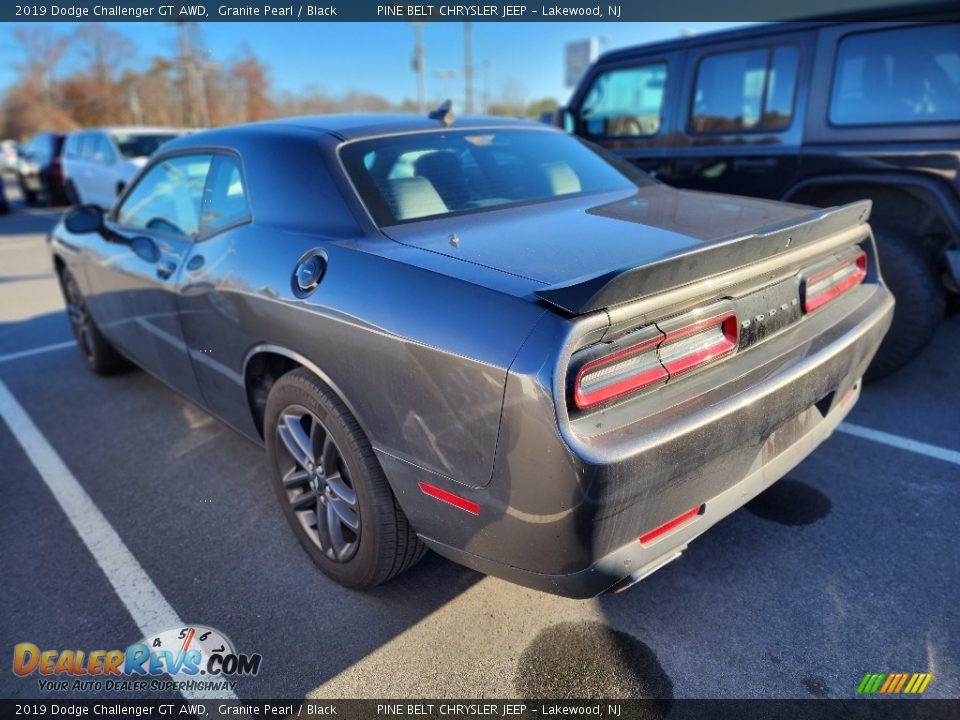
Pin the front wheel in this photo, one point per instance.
(98, 354)
(29, 196)
(332, 489)
(910, 275)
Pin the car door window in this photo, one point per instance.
(225, 199)
(745, 91)
(72, 149)
(626, 102)
(103, 152)
(905, 75)
(168, 197)
(88, 144)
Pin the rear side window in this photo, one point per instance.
(906, 75)
(627, 102)
(168, 197)
(225, 198)
(745, 91)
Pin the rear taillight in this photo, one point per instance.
(833, 278)
(689, 347)
(674, 347)
(621, 373)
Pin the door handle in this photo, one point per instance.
(165, 269)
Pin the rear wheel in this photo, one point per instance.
(911, 277)
(98, 354)
(331, 487)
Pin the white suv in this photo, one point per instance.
(98, 163)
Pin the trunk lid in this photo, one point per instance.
(604, 250)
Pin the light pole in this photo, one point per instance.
(468, 65)
(419, 64)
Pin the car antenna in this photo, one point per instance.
(444, 113)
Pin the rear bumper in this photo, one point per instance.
(565, 509)
(632, 562)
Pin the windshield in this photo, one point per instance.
(132, 146)
(403, 178)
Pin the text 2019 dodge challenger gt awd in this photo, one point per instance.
(486, 338)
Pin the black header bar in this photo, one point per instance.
(463, 10)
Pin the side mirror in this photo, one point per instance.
(84, 219)
(564, 119)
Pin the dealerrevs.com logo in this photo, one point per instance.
(186, 658)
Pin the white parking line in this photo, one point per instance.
(146, 605)
(921, 448)
(37, 351)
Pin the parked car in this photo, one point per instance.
(490, 338)
(8, 156)
(40, 169)
(100, 162)
(814, 113)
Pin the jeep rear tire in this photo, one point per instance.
(911, 277)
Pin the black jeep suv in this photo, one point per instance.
(817, 113)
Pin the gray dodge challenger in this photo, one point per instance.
(479, 336)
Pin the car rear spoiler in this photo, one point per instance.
(595, 292)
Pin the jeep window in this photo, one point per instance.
(906, 75)
(626, 102)
(745, 91)
(403, 178)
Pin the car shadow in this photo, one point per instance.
(29, 221)
(193, 501)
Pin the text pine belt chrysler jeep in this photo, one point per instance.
(480, 336)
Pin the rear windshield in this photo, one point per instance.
(404, 178)
(132, 145)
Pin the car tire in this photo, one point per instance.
(329, 482)
(58, 196)
(29, 196)
(71, 192)
(98, 354)
(911, 277)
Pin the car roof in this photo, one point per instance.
(924, 11)
(132, 129)
(354, 126)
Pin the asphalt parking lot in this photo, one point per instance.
(848, 566)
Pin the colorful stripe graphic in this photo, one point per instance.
(894, 683)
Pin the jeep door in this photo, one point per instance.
(740, 115)
(629, 107)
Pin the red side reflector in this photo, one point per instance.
(825, 285)
(668, 526)
(450, 498)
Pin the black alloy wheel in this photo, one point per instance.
(332, 489)
(317, 483)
